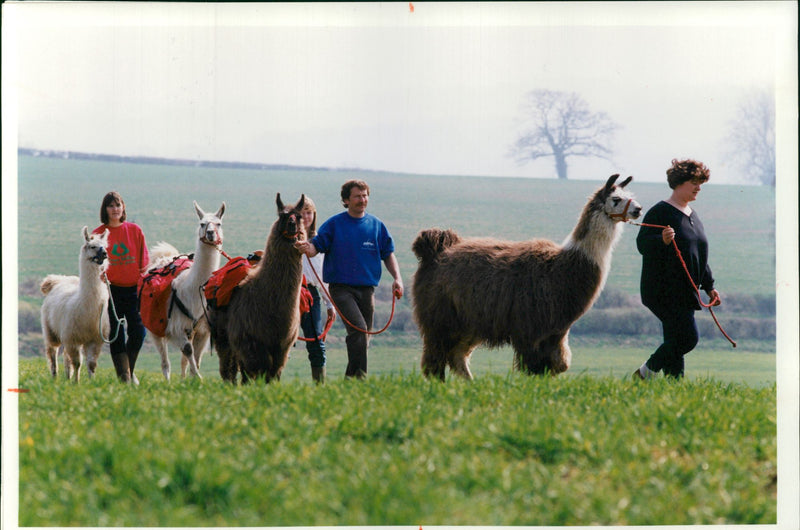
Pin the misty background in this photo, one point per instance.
(403, 87)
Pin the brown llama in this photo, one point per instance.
(528, 294)
(254, 332)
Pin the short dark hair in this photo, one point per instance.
(349, 185)
(685, 170)
(112, 197)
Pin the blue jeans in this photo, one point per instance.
(313, 326)
(680, 337)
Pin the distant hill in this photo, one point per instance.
(76, 155)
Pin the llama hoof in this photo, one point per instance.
(134, 380)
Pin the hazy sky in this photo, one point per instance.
(437, 89)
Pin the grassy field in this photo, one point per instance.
(395, 450)
(589, 447)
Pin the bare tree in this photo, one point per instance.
(751, 142)
(561, 125)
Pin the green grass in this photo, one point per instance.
(588, 447)
(395, 449)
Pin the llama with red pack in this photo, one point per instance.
(255, 330)
(178, 317)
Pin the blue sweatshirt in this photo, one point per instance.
(354, 249)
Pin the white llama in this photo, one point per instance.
(189, 332)
(75, 310)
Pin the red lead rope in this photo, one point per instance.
(322, 285)
(686, 270)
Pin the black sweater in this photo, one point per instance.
(664, 283)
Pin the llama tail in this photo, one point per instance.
(51, 280)
(161, 254)
(432, 242)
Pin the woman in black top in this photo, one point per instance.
(665, 289)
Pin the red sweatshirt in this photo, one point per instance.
(127, 253)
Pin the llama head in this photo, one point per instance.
(617, 203)
(290, 219)
(210, 229)
(94, 247)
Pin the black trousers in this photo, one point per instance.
(680, 337)
(357, 305)
(128, 341)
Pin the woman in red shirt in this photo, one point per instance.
(128, 258)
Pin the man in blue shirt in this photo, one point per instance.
(355, 243)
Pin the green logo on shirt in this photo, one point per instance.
(119, 249)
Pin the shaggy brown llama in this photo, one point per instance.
(75, 309)
(254, 332)
(474, 291)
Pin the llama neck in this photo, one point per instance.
(91, 280)
(280, 266)
(206, 261)
(595, 236)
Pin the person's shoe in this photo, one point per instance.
(643, 372)
(121, 366)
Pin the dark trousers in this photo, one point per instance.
(313, 326)
(680, 337)
(126, 304)
(356, 305)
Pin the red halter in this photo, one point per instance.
(624, 215)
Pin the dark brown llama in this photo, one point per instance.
(254, 332)
(528, 294)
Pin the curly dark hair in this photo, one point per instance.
(349, 185)
(684, 170)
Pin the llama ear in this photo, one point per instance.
(200, 212)
(221, 210)
(625, 182)
(279, 202)
(86, 233)
(301, 203)
(610, 182)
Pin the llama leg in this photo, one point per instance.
(92, 354)
(72, 362)
(549, 355)
(51, 350)
(561, 356)
(459, 359)
(528, 357)
(199, 343)
(188, 360)
(163, 350)
(187, 357)
(228, 365)
(253, 357)
(433, 362)
(438, 349)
